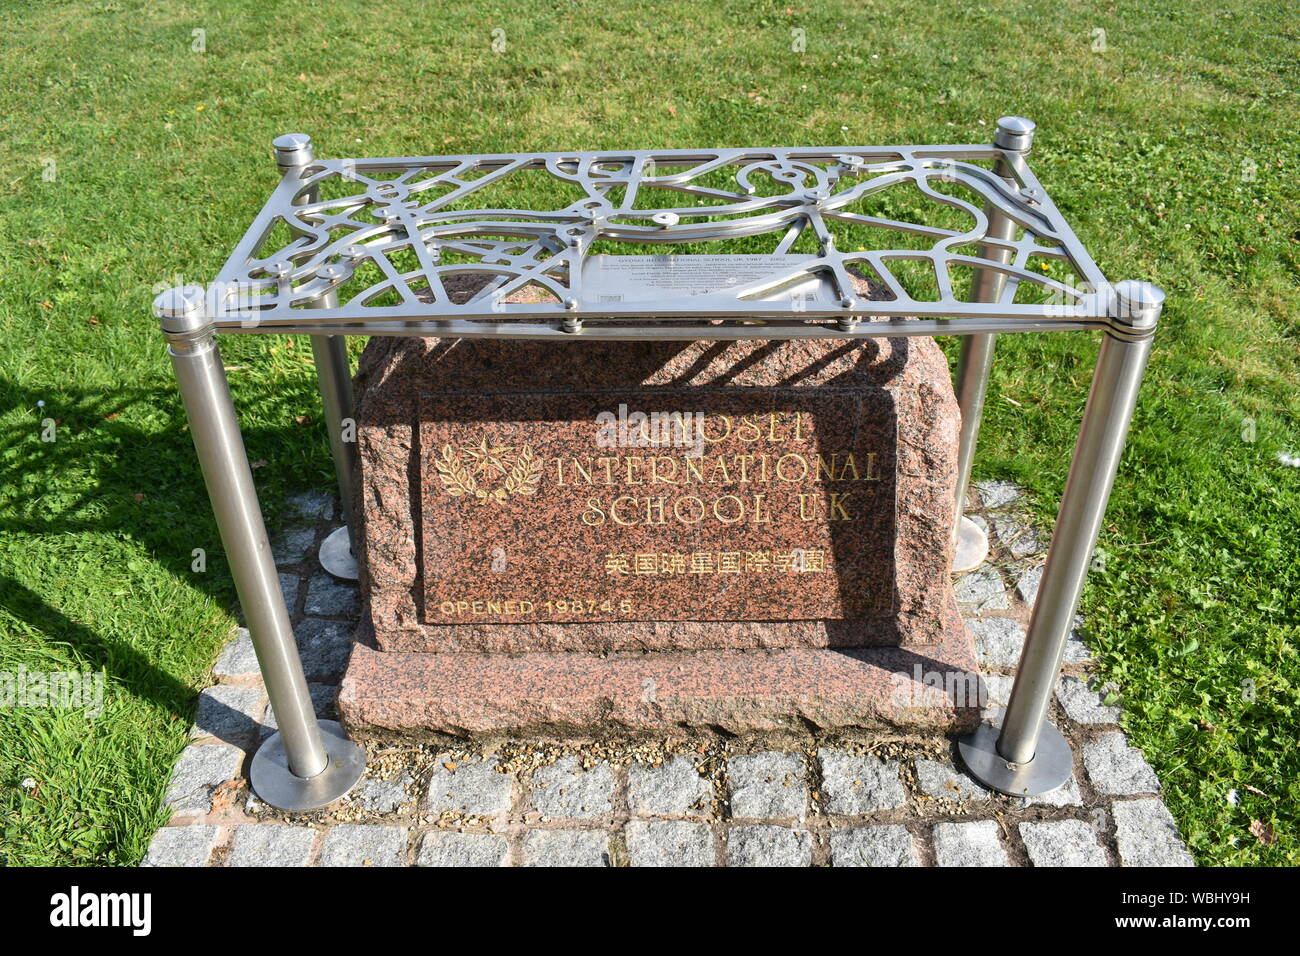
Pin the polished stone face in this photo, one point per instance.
(526, 497)
(666, 505)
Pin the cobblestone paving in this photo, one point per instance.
(837, 799)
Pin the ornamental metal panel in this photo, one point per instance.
(789, 239)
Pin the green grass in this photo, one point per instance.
(162, 155)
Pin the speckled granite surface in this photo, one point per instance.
(728, 691)
(865, 394)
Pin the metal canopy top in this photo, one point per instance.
(665, 244)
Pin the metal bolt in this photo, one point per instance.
(179, 301)
(665, 219)
(279, 268)
(1014, 132)
(1138, 304)
(334, 272)
(292, 149)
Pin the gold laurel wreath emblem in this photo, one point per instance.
(522, 476)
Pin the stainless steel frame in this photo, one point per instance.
(307, 764)
(378, 247)
(402, 227)
(333, 376)
(970, 541)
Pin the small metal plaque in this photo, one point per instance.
(611, 279)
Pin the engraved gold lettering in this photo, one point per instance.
(685, 519)
(633, 464)
(704, 429)
(654, 511)
(594, 516)
(803, 467)
(718, 511)
(656, 478)
(613, 509)
(496, 607)
(771, 427)
(754, 433)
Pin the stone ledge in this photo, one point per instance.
(719, 690)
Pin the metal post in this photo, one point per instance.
(334, 379)
(971, 543)
(306, 764)
(1029, 755)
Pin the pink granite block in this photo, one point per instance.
(732, 691)
(430, 535)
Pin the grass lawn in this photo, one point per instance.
(128, 160)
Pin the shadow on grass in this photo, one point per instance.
(128, 666)
(122, 464)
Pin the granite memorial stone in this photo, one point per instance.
(534, 513)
